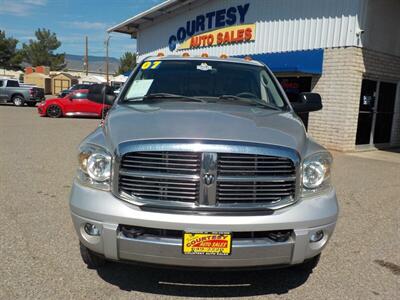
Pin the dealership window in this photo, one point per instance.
(293, 86)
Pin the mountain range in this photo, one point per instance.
(96, 63)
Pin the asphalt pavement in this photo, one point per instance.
(39, 255)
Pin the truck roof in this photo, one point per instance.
(8, 78)
(210, 58)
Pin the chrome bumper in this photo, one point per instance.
(107, 212)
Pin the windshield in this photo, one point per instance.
(205, 79)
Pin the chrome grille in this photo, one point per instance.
(254, 191)
(162, 162)
(254, 165)
(160, 189)
(178, 178)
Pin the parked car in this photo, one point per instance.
(75, 87)
(203, 162)
(11, 91)
(74, 104)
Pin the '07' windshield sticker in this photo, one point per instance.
(151, 65)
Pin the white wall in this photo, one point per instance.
(281, 25)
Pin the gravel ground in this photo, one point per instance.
(39, 255)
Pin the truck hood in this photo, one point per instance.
(211, 121)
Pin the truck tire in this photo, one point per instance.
(308, 265)
(54, 111)
(92, 260)
(18, 100)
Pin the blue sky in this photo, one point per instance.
(71, 20)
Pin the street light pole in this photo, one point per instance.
(107, 43)
(86, 62)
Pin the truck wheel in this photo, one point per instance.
(308, 265)
(31, 104)
(54, 111)
(18, 100)
(90, 259)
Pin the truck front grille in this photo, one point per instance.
(147, 187)
(254, 191)
(253, 165)
(162, 162)
(167, 178)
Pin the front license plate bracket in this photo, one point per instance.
(207, 243)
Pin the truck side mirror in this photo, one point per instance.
(101, 93)
(307, 102)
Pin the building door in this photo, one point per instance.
(384, 113)
(60, 84)
(376, 112)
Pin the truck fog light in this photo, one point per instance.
(92, 229)
(317, 236)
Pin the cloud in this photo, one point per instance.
(19, 8)
(88, 25)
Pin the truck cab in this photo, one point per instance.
(203, 162)
(11, 91)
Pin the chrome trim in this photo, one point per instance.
(209, 149)
(208, 171)
(261, 178)
(161, 175)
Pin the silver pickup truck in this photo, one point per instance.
(11, 91)
(203, 162)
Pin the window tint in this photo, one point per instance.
(209, 79)
(1, 83)
(79, 87)
(12, 83)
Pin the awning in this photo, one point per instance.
(308, 62)
(166, 8)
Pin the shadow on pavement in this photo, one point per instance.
(202, 283)
(392, 150)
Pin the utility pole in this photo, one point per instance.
(107, 42)
(86, 62)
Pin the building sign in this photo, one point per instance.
(214, 19)
(219, 37)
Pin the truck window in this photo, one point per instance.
(79, 95)
(12, 83)
(207, 79)
(1, 83)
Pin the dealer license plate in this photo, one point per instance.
(215, 243)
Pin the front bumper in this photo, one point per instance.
(108, 212)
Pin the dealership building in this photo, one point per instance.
(347, 51)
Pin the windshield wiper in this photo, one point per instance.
(166, 96)
(249, 100)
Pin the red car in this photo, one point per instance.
(73, 104)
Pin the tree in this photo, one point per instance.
(10, 56)
(40, 52)
(127, 62)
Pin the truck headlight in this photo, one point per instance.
(94, 167)
(99, 166)
(316, 171)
